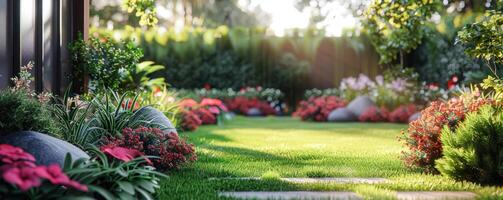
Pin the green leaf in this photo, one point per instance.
(102, 192)
(147, 185)
(127, 187)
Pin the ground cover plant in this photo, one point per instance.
(242, 149)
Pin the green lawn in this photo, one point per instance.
(276, 147)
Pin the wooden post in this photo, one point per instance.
(80, 25)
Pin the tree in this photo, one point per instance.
(395, 27)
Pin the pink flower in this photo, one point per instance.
(24, 178)
(122, 153)
(11, 154)
(55, 175)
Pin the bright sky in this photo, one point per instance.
(285, 16)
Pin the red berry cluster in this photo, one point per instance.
(173, 152)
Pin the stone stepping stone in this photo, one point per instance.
(435, 195)
(336, 180)
(292, 195)
(317, 180)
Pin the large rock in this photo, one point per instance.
(156, 118)
(359, 105)
(414, 116)
(254, 112)
(46, 149)
(342, 115)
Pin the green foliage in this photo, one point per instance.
(21, 112)
(71, 116)
(115, 112)
(105, 61)
(473, 151)
(139, 78)
(165, 101)
(484, 39)
(145, 9)
(397, 27)
(111, 179)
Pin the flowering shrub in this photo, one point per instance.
(402, 113)
(206, 116)
(423, 135)
(351, 87)
(215, 106)
(23, 179)
(374, 114)
(172, 152)
(318, 108)
(243, 104)
(190, 120)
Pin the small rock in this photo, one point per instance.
(46, 149)
(254, 112)
(359, 105)
(342, 115)
(155, 117)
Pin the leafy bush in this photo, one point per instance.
(21, 112)
(139, 77)
(114, 113)
(104, 60)
(318, 108)
(23, 179)
(318, 93)
(473, 150)
(115, 173)
(72, 118)
(169, 150)
(374, 114)
(423, 137)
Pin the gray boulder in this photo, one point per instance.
(414, 116)
(46, 149)
(155, 117)
(359, 105)
(342, 115)
(254, 112)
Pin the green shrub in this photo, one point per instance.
(473, 150)
(104, 60)
(21, 112)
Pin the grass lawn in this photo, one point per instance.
(274, 147)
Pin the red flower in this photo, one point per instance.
(24, 177)
(215, 103)
(122, 153)
(55, 175)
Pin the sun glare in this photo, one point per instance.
(284, 16)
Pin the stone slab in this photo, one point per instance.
(435, 195)
(292, 195)
(336, 180)
(341, 180)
